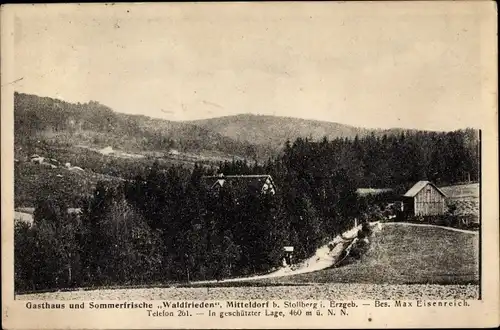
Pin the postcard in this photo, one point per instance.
(250, 165)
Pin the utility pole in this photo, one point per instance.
(187, 265)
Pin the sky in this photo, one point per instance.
(411, 65)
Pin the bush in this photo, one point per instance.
(359, 248)
(46, 254)
(365, 231)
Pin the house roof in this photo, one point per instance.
(419, 186)
(239, 184)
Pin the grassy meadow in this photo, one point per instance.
(405, 254)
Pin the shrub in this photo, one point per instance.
(46, 254)
(359, 248)
(365, 231)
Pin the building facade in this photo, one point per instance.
(424, 199)
(241, 184)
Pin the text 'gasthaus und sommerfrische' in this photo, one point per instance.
(276, 309)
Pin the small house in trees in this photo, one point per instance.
(423, 199)
(240, 185)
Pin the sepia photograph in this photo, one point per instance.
(248, 152)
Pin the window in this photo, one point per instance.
(428, 194)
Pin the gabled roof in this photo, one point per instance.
(419, 186)
(239, 184)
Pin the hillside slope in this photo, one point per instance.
(246, 135)
(59, 122)
(274, 131)
(34, 182)
(407, 254)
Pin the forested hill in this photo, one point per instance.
(273, 130)
(248, 136)
(96, 124)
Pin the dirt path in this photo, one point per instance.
(435, 226)
(323, 258)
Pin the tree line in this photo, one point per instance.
(391, 160)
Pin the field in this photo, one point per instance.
(462, 191)
(465, 197)
(316, 292)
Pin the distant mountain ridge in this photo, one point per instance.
(274, 131)
(245, 135)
